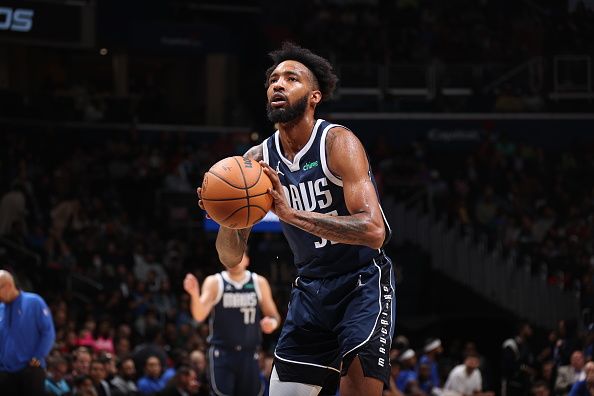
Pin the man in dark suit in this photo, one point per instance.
(184, 383)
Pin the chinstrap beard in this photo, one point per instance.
(288, 113)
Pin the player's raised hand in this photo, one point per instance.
(191, 285)
(268, 324)
(280, 206)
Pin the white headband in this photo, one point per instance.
(409, 353)
(433, 345)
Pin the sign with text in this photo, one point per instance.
(39, 23)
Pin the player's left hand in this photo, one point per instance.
(280, 206)
(34, 362)
(268, 324)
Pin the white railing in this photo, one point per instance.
(500, 279)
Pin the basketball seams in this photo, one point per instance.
(261, 208)
(233, 199)
(226, 181)
(227, 198)
(233, 213)
(257, 180)
(247, 195)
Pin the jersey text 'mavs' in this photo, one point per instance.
(309, 195)
(239, 300)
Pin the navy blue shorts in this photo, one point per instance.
(332, 320)
(234, 372)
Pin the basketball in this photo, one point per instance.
(235, 192)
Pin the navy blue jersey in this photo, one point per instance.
(309, 185)
(235, 318)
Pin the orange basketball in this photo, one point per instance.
(235, 192)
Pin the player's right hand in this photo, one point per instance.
(191, 285)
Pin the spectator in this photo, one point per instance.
(548, 374)
(82, 362)
(13, 210)
(123, 383)
(540, 388)
(407, 381)
(424, 375)
(517, 369)
(199, 363)
(433, 349)
(584, 387)
(55, 384)
(151, 382)
(109, 363)
(392, 389)
(98, 375)
(104, 340)
(26, 340)
(570, 374)
(152, 347)
(465, 379)
(184, 383)
(83, 386)
(566, 343)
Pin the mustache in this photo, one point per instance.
(277, 96)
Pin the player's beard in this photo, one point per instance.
(287, 113)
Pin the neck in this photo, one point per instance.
(295, 134)
(236, 276)
(13, 296)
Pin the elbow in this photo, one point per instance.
(229, 261)
(376, 235)
(200, 318)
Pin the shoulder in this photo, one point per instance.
(341, 141)
(339, 134)
(255, 153)
(259, 279)
(32, 298)
(212, 281)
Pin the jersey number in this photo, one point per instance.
(249, 315)
(324, 242)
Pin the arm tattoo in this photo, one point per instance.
(231, 244)
(343, 229)
(256, 153)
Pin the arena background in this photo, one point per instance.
(478, 117)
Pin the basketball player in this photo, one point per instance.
(340, 319)
(234, 299)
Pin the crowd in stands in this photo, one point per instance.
(528, 367)
(530, 202)
(461, 31)
(497, 35)
(111, 264)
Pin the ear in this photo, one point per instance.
(316, 97)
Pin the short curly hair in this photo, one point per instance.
(320, 68)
